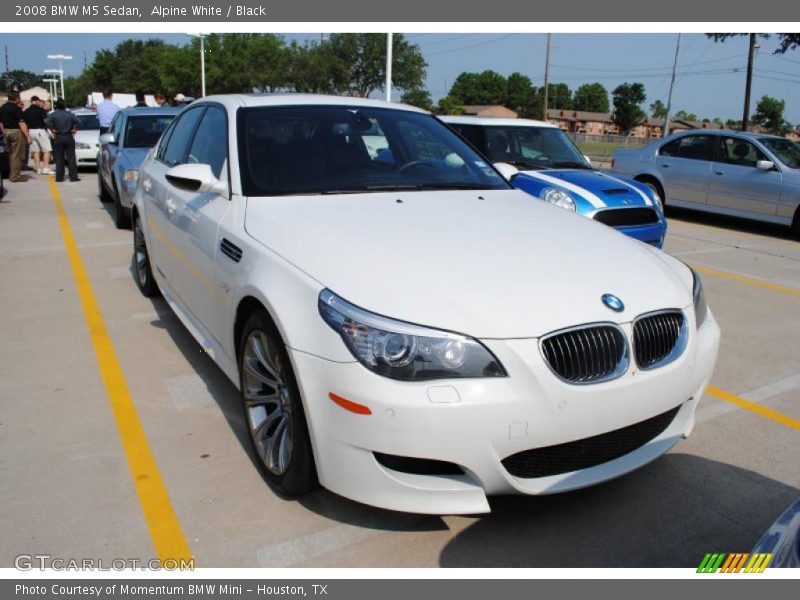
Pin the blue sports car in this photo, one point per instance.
(542, 161)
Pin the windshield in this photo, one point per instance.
(788, 152)
(345, 149)
(89, 121)
(525, 147)
(144, 131)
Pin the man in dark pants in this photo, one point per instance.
(17, 135)
(64, 124)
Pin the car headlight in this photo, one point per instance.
(401, 350)
(559, 198)
(700, 306)
(131, 175)
(82, 146)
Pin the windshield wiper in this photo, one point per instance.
(572, 164)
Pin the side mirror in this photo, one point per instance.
(107, 138)
(765, 165)
(196, 178)
(506, 170)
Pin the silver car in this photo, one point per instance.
(133, 132)
(742, 174)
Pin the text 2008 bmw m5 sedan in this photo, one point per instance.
(405, 328)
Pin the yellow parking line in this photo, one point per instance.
(756, 408)
(748, 280)
(165, 530)
(712, 229)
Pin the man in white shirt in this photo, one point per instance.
(106, 110)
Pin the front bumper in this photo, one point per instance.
(649, 234)
(86, 156)
(476, 423)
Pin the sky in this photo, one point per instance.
(710, 81)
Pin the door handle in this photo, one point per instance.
(720, 172)
(665, 166)
(171, 205)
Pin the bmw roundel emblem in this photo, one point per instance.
(612, 302)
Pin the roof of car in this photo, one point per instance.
(152, 110)
(496, 121)
(729, 132)
(251, 100)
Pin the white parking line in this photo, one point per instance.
(706, 412)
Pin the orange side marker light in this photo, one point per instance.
(359, 409)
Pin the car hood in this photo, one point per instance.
(600, 190)
(488, 264)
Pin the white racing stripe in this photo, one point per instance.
(647, 200)
(582, 192)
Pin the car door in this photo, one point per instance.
(737, 184)
(108, 152)
(172, 151)
(194, 224)
(685, 167)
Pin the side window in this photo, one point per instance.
(116, 127)
(210, 144)
(162, 145)
(177, 145)
(473, 134)
(695, 147)
(740, 152)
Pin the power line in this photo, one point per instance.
(447, 41)
(483, 43)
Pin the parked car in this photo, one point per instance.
(750, 175)
(133, 132)
(406, 328)
(782, 539)
(547, 165)
(87, 139)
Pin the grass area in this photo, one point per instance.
(604, 149)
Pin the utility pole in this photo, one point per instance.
(671, 85)
(6, 59)
(546, 75)
(749, 83)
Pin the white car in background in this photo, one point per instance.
(87, 140)
(405, 328)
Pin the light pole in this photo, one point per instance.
(55, 82)
(202, 37)
(60, 58)
(52, 81)
(389, 44)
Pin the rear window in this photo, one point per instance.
(88, 121)
(144, 131)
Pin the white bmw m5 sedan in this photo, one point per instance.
(405, 328)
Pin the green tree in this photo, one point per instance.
(19, 80)
(591, 97)
(559, 96)
(658, 110)
(450, 105)
(418, 97)
(769, 115)
(788, 41)
(357, 63)
(627, 112)
(522, 97)
(685, 116)
(483, 88)
(733, 124)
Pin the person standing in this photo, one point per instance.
(64, 124)
(106, 110)
(17, 135)
(140, 101)
(160, 99)
(35, 117)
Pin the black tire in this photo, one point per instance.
(273, 409)
(142, 271)
(656, 187)
(122, 218)
(105, 197)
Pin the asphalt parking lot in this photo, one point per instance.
(71, 461)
